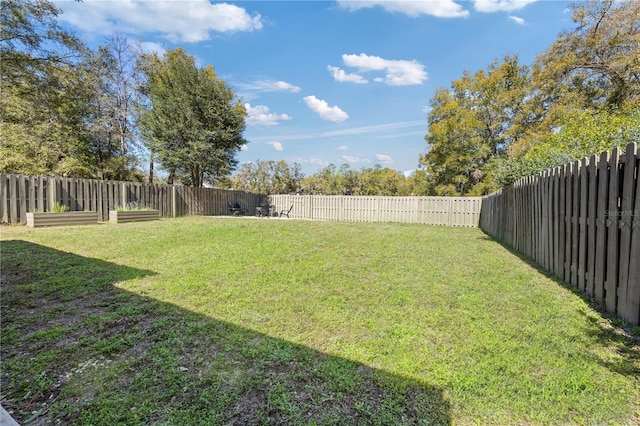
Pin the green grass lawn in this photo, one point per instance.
(244, 321)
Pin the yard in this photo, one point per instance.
(241, 321)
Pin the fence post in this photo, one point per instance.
(174, 205)
(626, 228)
(52, 192)
(123, 194)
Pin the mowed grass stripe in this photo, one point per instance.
(447, 308)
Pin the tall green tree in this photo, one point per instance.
(195, 123)
(585, 93)
(116, 80)
(45, 93)
(473, 121)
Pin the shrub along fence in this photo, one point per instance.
(447, 211)
(21, 194)
(581, 222)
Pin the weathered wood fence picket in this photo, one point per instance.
(581, 222)
(21, 194)
(447, 211)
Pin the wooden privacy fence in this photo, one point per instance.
(21, 194)
(447, 211)
(581, 222)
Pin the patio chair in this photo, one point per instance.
(264, 210)
(286, 212)
(235, 209)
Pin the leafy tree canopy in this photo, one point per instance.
(268, 177)
(194, 123)
(580, 97)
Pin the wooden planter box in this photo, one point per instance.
(36, 220)
(133, 216)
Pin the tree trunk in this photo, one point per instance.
(151, 167)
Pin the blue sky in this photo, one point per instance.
(332, 82)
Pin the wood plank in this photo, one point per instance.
(12, 195)
(568, 225)
(550, 222)
(537, 186)
(591, 224)
(632, 308)
(52, 192)
(561, 222)
(582, 225)
(86, 195)
(32, 185)
(540, 201)
(556, 222)
(611, 283)
(601, 229)
(575, 218)
(22, 197)
(40, 195)
(64, 182)
(625, 222)
(4, 198)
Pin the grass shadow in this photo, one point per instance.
(76, 349)
(608, 330)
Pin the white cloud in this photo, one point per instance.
(259, 115)
(189, 21)
(150, 47)
(383, 158)
(284, 86)
(323, 109)
(341, 148)
(354, 159)
(276, 145)
(269, 86)
(518, 20)
(244, 147)
(397, 72)
(500, 5)
(341, 76)
(414, 8)
(377, 129)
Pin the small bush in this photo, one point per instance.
(133, 206)
(60, 208)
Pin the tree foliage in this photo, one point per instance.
(597, 64)
(112, 126)
(44, 96)
(375, 180)
(32, 42)
(473, 121)
(194, 124)
(268, 177)
(580, 97)
(63, 104)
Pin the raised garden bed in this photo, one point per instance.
(37, 220)
(124, 216)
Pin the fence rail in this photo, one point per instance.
(581, 222)
(21, 194)
(447, 211)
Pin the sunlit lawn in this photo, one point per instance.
(246, 321)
